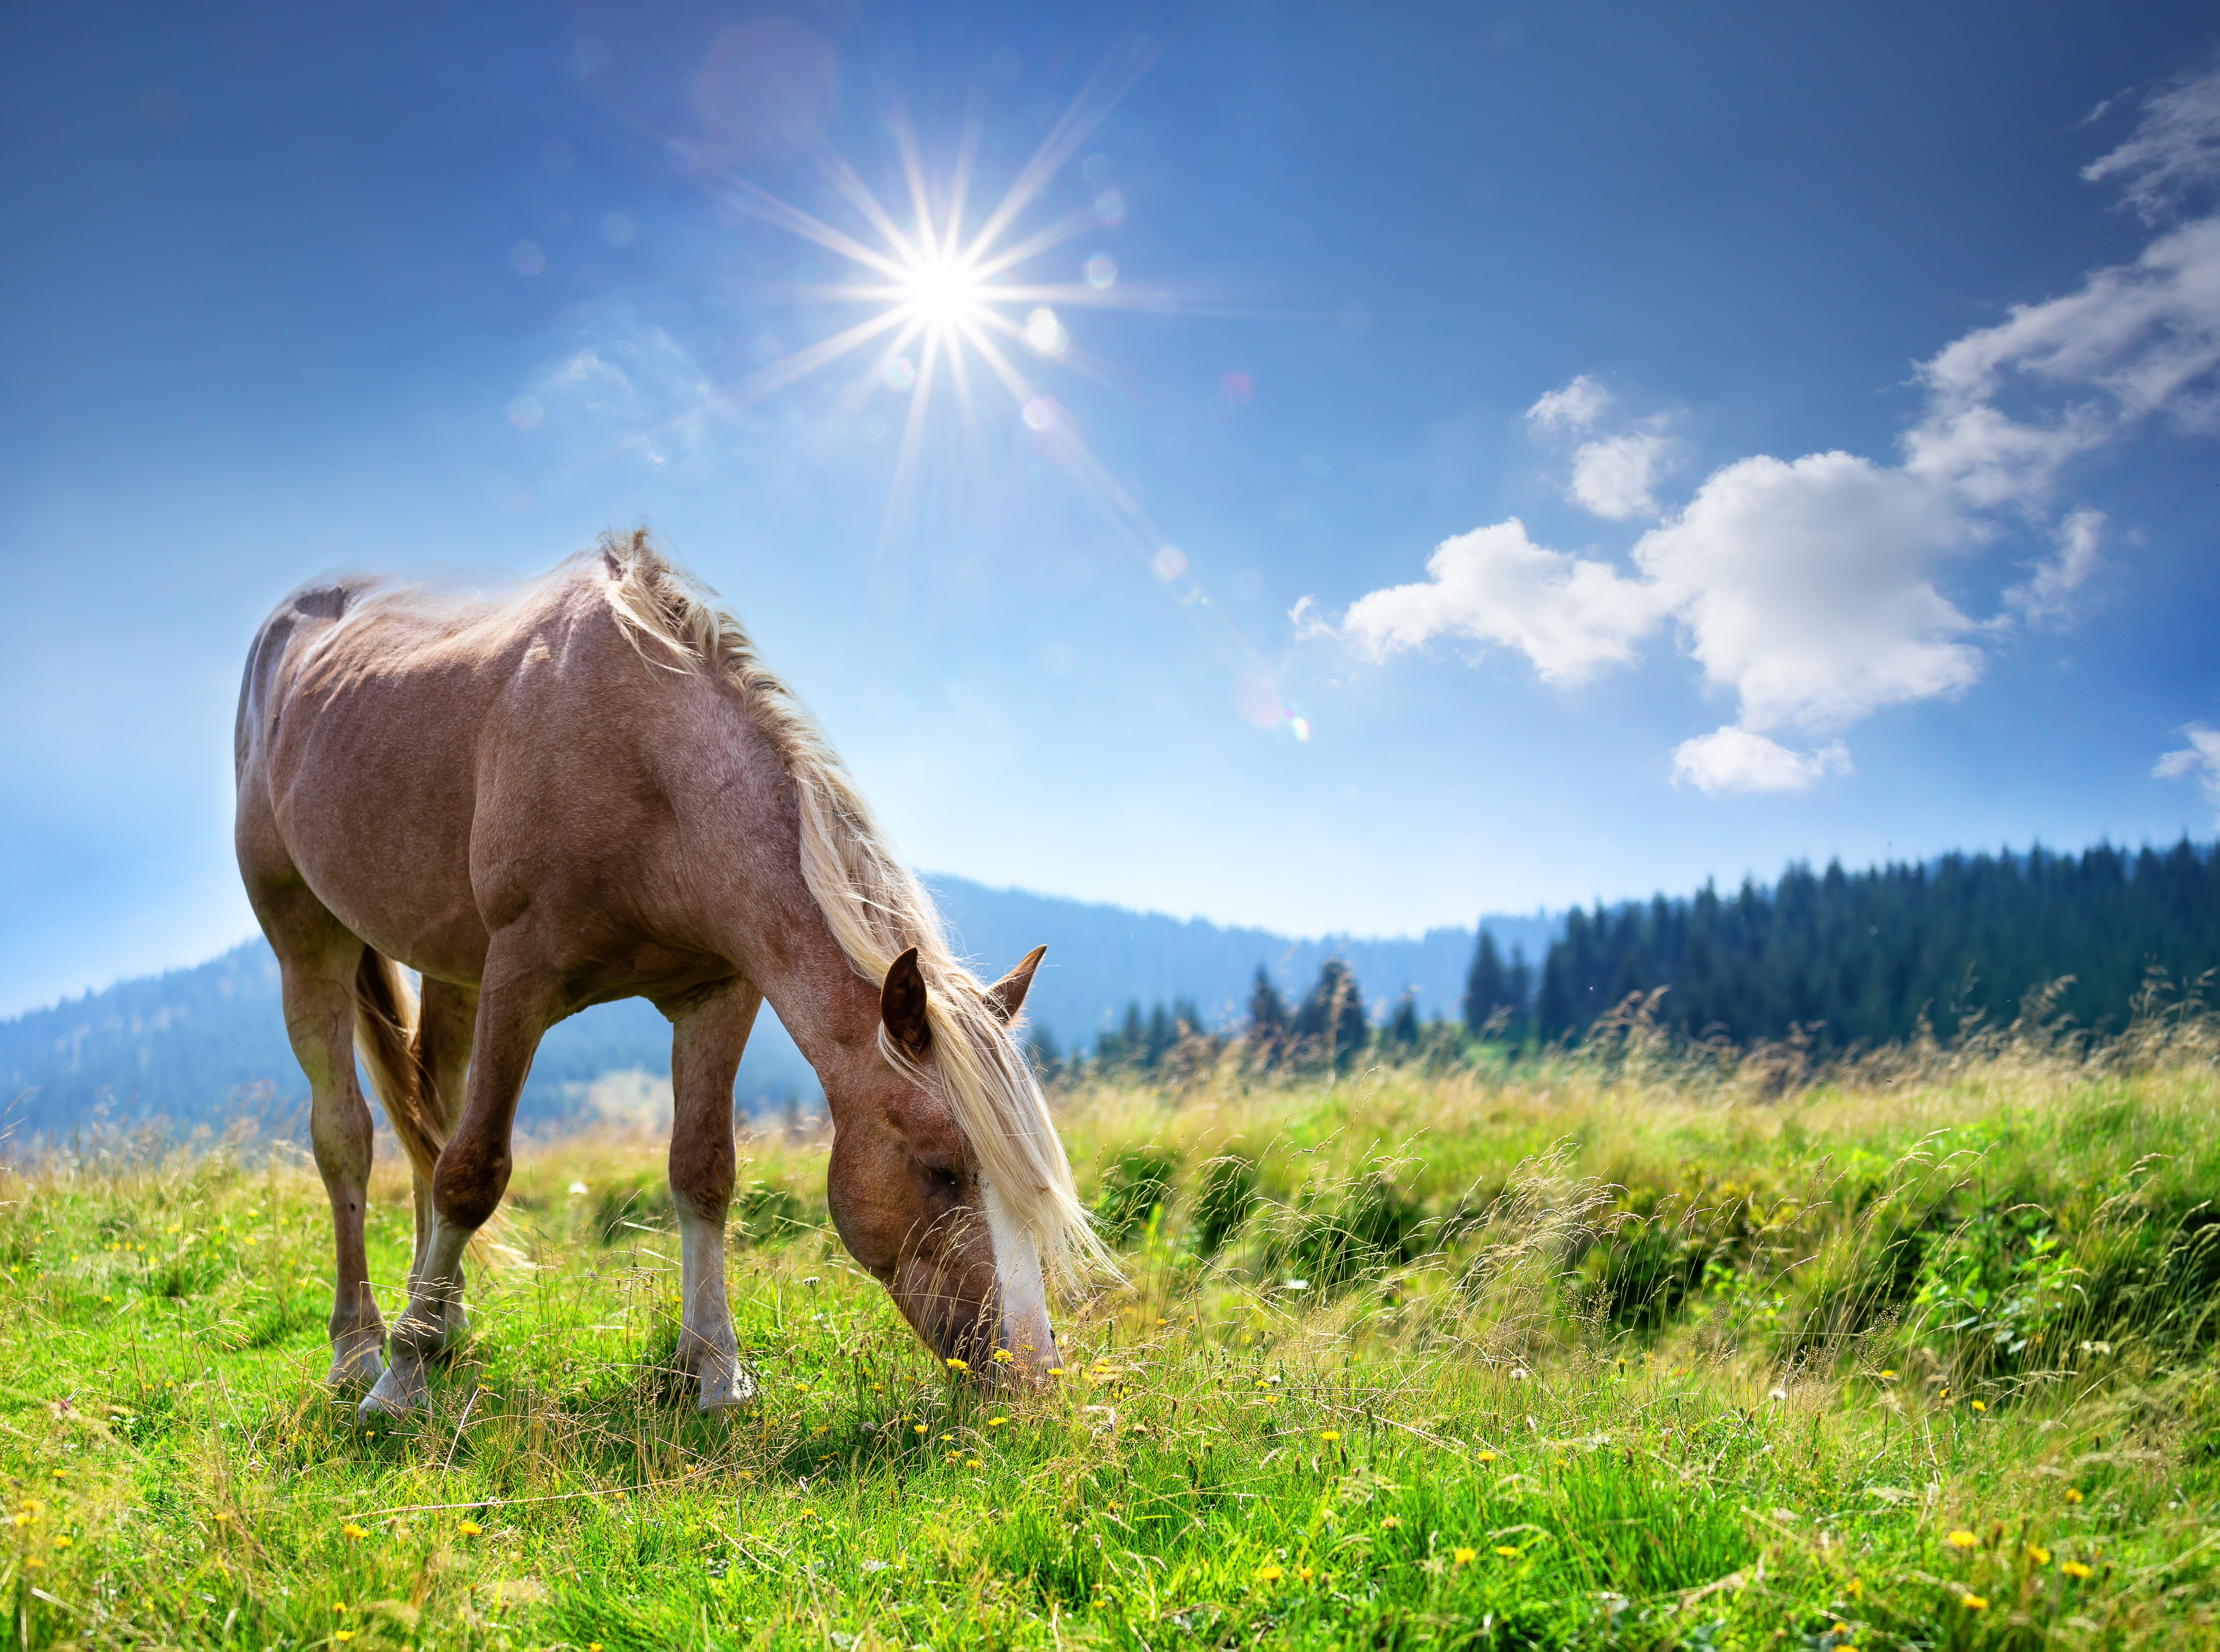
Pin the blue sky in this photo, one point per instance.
(1604, 447)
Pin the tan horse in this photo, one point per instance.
(593, 790)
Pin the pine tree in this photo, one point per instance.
(1487, 989)
(1403, 1027)
(1268, 1011)
(1333, 1013)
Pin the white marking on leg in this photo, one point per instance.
(707, 1346)
(422, 1330)
(1025, 1330)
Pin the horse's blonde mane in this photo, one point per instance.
(875, 906)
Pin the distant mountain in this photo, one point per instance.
(192, 1045)
(1103, 957)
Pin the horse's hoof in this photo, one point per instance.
(395, 1397)
(734, 1388)
(353, 1372)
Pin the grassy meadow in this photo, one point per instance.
(1635, 1345)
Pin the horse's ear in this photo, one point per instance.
(1008, 996)
(901, 1006)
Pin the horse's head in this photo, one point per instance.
(915, 1204)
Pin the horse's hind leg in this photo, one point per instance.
(472, 1176)
(710, 1033)
(444, 1029)
(316, 961)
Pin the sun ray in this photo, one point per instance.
(768, 207)
(1077, 224)
(959, 187)
(1077, 123)
(787, 369)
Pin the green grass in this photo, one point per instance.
(1616, 1348)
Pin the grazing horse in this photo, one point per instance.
(594, 789)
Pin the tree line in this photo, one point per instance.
(1865, 957)
(1840, 958)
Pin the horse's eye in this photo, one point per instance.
(942, 1177)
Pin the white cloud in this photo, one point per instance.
(1613, 476)
(1570, 616)
(2175, 149)
(1812, 587)
(2199, 758)
(1732, 759)
(1574, 405)
(1806, 587)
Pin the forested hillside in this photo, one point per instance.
(1859, 957)
(192, 1044)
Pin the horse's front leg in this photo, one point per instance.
(466, 1186)
(710, 1030)
(446, 1021)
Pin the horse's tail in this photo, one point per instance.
(389, 1035)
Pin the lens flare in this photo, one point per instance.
(946, 295)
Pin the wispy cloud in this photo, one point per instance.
(1574, 405)
(1812, 588)
(2042, 598)
(2175, 153)
(2200, 759)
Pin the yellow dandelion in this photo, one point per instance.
(593, 1646)
(33, 1563)
(1329, 1435)
(1888, 1376)
(2072, 1496)
(20, 1519)
(1003, 1357)
(1390, 1523)
(469, 1529)
(351, 1530)
(2038, 1553)
(1463, 1556)
(64, 1542)
(1963, 1540)
(223, 1517)
(338, 1606)
(1978, 1406)
(955, 1364)
(1485, 1456)
(2076, 1570)
(1270, 1574)
(996, 1422)
(1504, 1549)
(343, 1634)
(920, 1428)
(1973, 1602)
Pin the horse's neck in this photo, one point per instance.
(774, 929)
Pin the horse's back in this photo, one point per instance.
(432, 764)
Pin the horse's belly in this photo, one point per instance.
(373, 792)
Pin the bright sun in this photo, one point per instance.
(944, 294)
